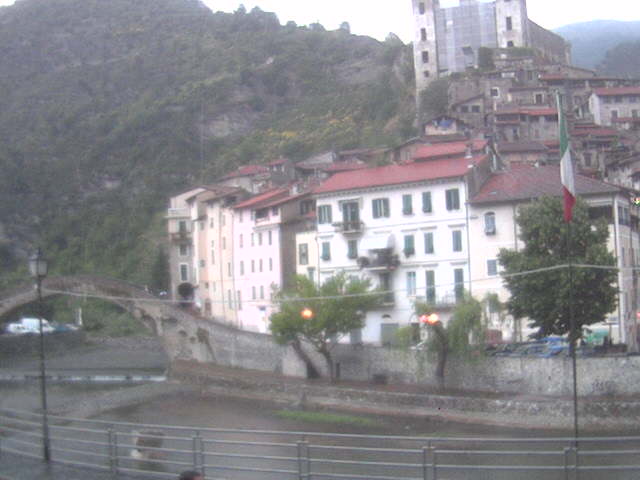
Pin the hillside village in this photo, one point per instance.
(424, 219)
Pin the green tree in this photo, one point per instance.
(434, 100)
(543, 297)
(160, 275)
(336, 307)
(464, 327)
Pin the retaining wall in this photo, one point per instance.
(29, 344)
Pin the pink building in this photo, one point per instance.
(264, 229)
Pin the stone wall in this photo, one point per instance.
(29, 344)
(619, 375)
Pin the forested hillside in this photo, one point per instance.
(109, 107)
(620, 61)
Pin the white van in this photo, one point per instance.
(29, 325)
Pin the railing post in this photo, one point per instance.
(566, 462)
(194, 446)
(425, 463)
(113, 455)
(303, 460)
(434, 463)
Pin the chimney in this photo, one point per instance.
(469, 151)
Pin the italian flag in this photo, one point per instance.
(566, 166)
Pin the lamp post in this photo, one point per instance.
(38, 270)
(433, 322)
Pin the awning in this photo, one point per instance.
(380, 242)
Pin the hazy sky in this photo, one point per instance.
(378, 17)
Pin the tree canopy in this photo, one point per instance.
(543, 297)
(336, 307)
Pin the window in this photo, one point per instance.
(423, 34)
(182, 226)
(230, 299)
(587, 159)
(184, 249)
(324, 214)
(490, 223)
(428, 242)
(509, 23)
(253, 239)
(352, 249)
(407, 204)
(421, 8)
(614, 114)
(303, 254)
(274, 211)
(253, 293)
(201, 223)
(253, 266)
(271, 264)
(270, 237)
(426, 74)
(211, 222)
(229, 269)
(239, 295)
(261, 292)
(184, 272)
(326, 251)
(241, 239)
(241, 267)
(260, 265)
(262, 213)
(224, 243)
(380, 207)
(426, 202)
(495, 92)
(311, 273)
(223, 220)
(458, 279)
(431, 287)
(240, 215)
(510, 44)
(260, 238)
(475, 108)
(425, 56)
(306, 206)
(492, 268)
(411, 284)
(409, 245)
(634, 113)
(351, 215)
(456, 237)
(213, 257)
(202, 264)
(453, 199)
(464, 109)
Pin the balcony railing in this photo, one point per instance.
(350, 227)
(178, 213)
(380, 262)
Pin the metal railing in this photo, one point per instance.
(162, 451)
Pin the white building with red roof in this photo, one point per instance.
(493, 212)
(404, 226)
(611, 103)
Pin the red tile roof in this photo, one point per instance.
(428, 152)
(605, 92)
(398, 174)
(524, 146)
(537, 112)
(246, 171)
(278, 161)
(345, 166)
(594, 131)
(526, 182)
(264, 197)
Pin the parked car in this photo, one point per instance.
(29, 325)
(63, 327)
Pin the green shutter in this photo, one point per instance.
(431, 287)
(426, 202)
(428, 242)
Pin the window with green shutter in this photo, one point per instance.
(326, 251)
(458, 279)
(428, 242)
(352, 249)
(407, 204)
(457, 240)
(409, 245)
(380, 207)
(453, 199)
(431, 287)
(324, 214)
(426, 202)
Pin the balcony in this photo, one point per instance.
(388, 299)
(178, 213)
(180, 236)
(380, 262)
(350, 227)
(440, 302)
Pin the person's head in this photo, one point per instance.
(191, 475)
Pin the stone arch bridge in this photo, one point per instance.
(185, 335)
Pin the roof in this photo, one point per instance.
(345, 166)
(278, 161)
(525, 182)
(280, 201)
(265, 197)
(213, 192)
(475, 97)
(518, 147)
(606, 92)
(427, 152)
(594, 132)
(626, 120)
(540, 111)
(398, 174)
(246, 171)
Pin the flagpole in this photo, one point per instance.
(574, 338)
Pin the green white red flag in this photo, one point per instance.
(566, 166)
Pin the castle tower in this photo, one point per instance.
(512, 23)
(425, 53)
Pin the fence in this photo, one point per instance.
(162, 451)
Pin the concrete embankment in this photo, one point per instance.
(596, 413)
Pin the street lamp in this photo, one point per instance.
(38, 270)
(307, 313)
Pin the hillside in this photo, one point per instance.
(616, 61)
(108, 108)
(590, 41)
